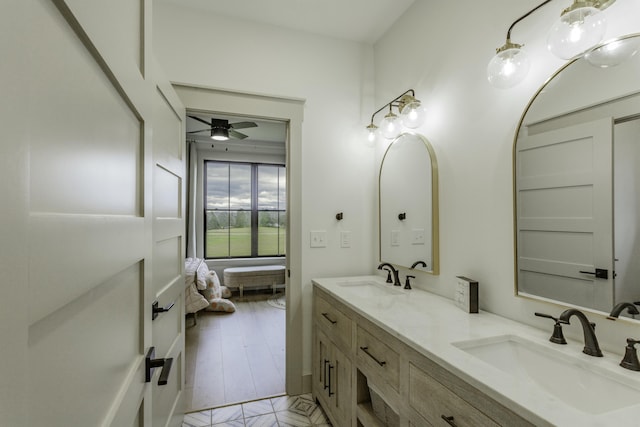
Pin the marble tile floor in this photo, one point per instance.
(283, 411)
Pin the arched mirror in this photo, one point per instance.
(577, 182)
(409, 204)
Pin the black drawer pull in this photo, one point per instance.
(366, 350)
(326, 316)
(151, 364)
(449, 420)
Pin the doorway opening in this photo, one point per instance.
(238, 219)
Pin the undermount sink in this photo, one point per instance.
(586, 387)
(370, 288)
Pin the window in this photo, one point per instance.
(245, 210)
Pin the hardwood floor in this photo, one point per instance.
(235, 357)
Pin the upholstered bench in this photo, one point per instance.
(253, 277)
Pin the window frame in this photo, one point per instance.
(254, 211)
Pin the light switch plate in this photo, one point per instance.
(318, 239)
(395, 238)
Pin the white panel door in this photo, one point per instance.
(564, 218)
(79, 229)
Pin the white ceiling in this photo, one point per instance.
(356, 20)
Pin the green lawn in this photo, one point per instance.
(239, 239)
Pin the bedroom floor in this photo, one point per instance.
(235, 357)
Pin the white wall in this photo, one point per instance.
(442, 53)
(338, 170)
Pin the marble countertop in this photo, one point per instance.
(430, 324)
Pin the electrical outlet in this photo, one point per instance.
(345, 239)
(418, 236)
(318, 239)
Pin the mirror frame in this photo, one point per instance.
(514, 192)
(435, 205)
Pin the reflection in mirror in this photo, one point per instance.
(409, 204)
(577, 183)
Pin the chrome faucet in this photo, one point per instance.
(396, 276)
(591, 346)
(631, 309)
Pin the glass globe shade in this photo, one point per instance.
(370, 135)
(413, 115)
(508, 68)
(576, 31)
(390, 126)
(613, 53)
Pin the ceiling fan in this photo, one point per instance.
(221, 130)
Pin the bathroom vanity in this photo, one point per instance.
(388, 356)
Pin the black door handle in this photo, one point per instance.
(155, 310)
(151, 364)
(600, 273)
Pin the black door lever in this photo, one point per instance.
(600, 273)
(151, 364)
(155, 310)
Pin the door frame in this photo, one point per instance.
(290, 110)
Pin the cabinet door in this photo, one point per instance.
(321, 361)
(340, 386)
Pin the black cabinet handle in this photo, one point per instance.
(326, 386)
(151, 364)
(366, 350)
(449, 420)
(326, 316)
(155, 310)
(330, 368)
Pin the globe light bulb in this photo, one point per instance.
(390, 126)
(577, 31)
(509, 66)
(613, 53)
(413, 114)
(371, 132)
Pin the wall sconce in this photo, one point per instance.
(580, 27)
(412, 115)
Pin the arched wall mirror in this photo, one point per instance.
(408, 186)
(577, 182)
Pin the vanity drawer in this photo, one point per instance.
(380, 359)
(433, 401)
(333, 321)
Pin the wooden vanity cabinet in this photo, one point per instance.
(370, 362)
(332, 367)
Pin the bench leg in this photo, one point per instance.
(241, 290)
(274, 288)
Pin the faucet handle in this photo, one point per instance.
(630, 360)
(388, 275)
(557, 337)
(407, 282)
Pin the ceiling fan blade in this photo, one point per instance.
(243, 125)
(201, 130)
(201, 120)
(237, 135)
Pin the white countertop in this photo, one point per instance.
(430, 324)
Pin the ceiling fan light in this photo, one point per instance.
(220, 134)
